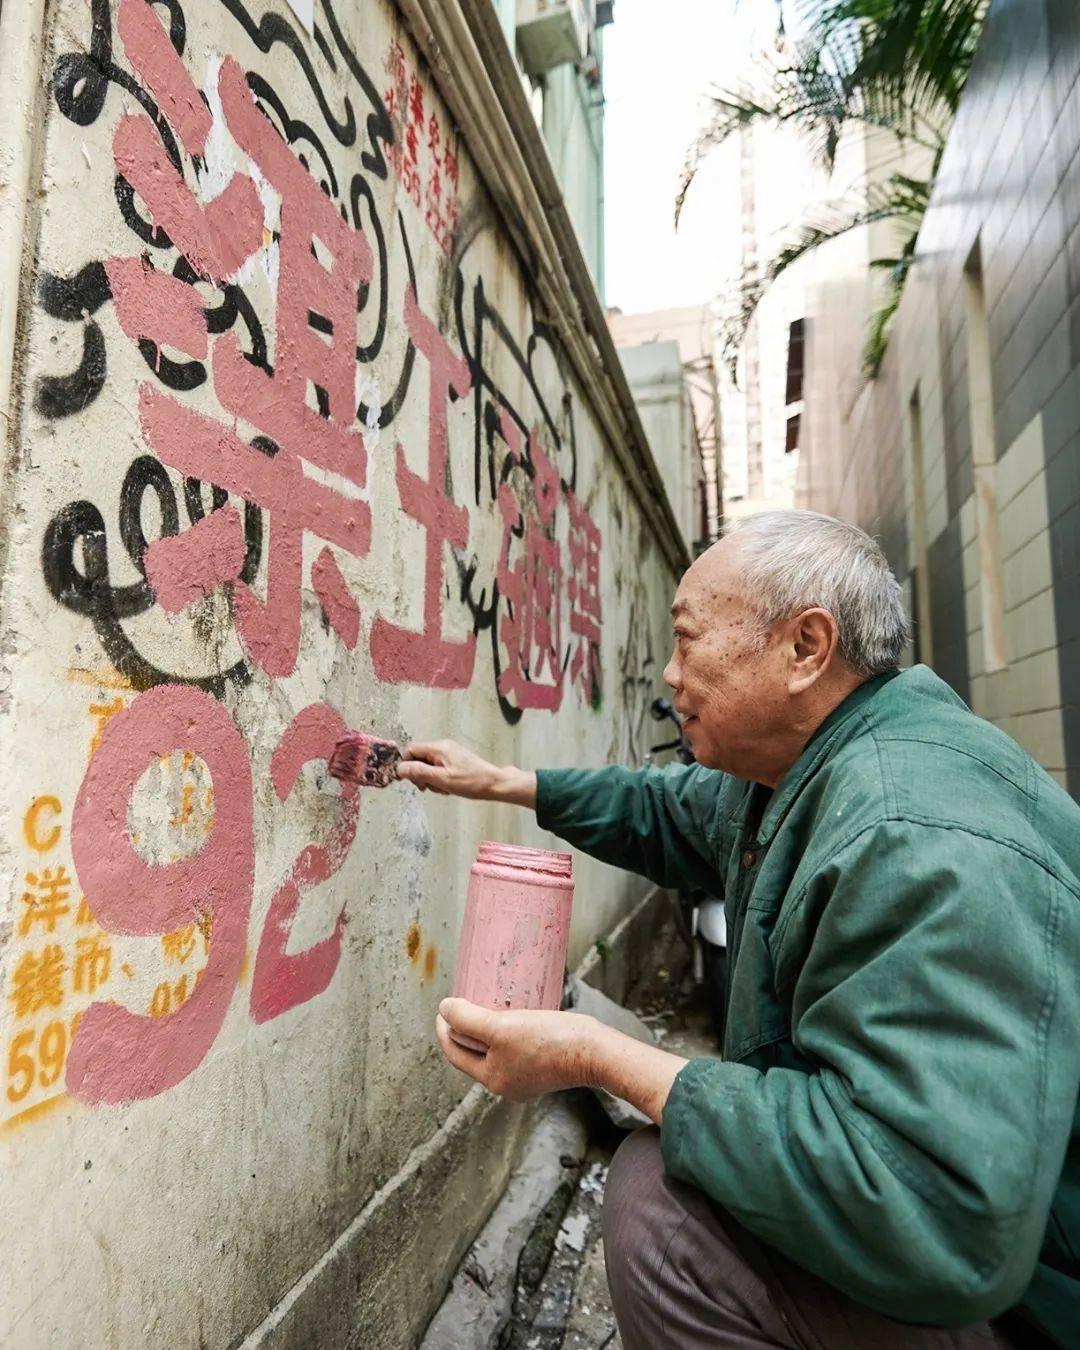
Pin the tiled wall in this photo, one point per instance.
(1009, 193)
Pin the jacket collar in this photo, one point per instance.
(817, 749)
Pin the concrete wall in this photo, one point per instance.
(225, 1119)
(965, 453)
(775, 185)
(656, 376)
(692, 329)
(573, 124)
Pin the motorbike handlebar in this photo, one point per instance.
(667, 745)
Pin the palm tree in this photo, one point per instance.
(896, 65)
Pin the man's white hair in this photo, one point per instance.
(791, 561)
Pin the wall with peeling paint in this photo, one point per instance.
(327, 273)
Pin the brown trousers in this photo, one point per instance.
(684, 1275)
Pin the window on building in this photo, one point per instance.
(920, 574)
(794, 395)
(984, 464)
(795, 363)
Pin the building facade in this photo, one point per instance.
(964, 454)
(559, 47)
(311, 420)
(668, 358)
(775, 183)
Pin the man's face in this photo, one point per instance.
(731, 685)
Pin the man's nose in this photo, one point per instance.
(672, 675)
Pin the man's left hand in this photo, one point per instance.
(522, 1054)
(527, 1052)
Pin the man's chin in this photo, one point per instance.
(703, 752)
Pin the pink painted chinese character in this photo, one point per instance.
(395, 62)
(433, 139)
(583, 592)
(401, 655)
(216, 238)
(323, 262)
(416, 102)
(530, 629)
(451, 165)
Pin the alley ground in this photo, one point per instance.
(560, 1297)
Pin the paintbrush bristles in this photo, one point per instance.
(365, 760)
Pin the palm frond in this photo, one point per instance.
(877, 334)
(815, 110)
(900, 65)
(901, 198)
(922, 49)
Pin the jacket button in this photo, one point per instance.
(749, 858)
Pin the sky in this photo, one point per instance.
(660, 59)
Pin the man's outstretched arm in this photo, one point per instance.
(660, 823)
(446, 767)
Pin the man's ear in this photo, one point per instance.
(814, 642)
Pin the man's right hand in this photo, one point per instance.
(445, 766)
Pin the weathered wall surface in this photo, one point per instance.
(662, 394)
(964, 454)
(239, 251)
(692, 329)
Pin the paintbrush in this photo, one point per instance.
(365, 760)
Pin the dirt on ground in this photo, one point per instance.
(566, 1306)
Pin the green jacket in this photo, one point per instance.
(897, 1107)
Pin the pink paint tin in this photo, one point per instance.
(512, 952)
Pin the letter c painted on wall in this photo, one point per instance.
(32, 830)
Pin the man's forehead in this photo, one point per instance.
(712, 582)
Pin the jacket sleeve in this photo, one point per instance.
(913, 1166)
(661, 823)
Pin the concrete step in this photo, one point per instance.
(507, 1262)
(534, 1279)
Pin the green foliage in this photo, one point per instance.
(918, 51)
(898, 65)
(901, 198)
(877, 336)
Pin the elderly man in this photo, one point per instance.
(891, 1145)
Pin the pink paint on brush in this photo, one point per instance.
(512, 952)
(365, 760)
